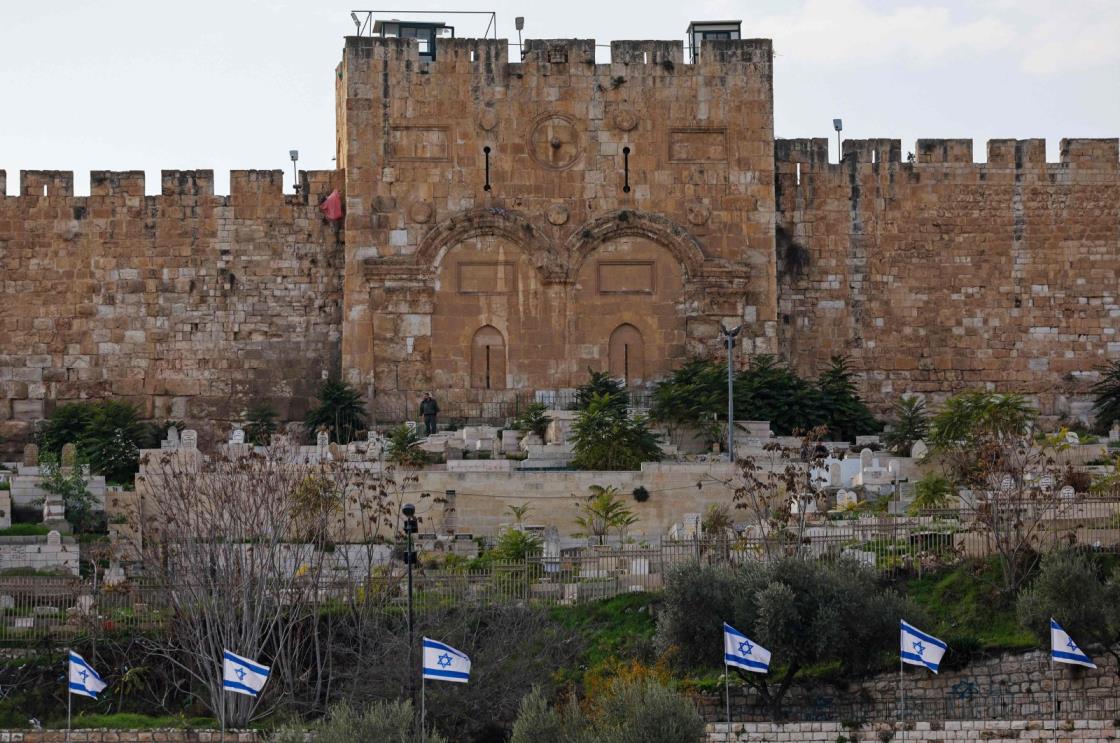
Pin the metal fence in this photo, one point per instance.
(37, 608)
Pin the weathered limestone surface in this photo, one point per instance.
(511, 223)
(1069, 731)
(187, 304)
(944, 274)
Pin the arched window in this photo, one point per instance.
(627, 354)
(488, 359)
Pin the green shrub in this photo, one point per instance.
(403, 446)
(1071, 589)
(602, 384)
(533, 420)
(641, 711)
(911, 423)
(1106, 396)
(260, 423)
(604, 437)
(391, 722)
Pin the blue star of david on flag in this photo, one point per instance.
(84, 681)
(740, 652)
(919, 649)
(445, 663)
(1064, 650)
(243, 675)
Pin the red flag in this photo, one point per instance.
(332, 206)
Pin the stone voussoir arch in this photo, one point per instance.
(490, 221)
(628, 223)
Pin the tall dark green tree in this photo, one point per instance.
(843, 411)
(66, 425)
(770, 391)
(341, 411)
(260, 423)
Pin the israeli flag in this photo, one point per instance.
(445, 663)
(83, 679)
(241, 675)
(740, 652)
(1064, 650)
(920, 649)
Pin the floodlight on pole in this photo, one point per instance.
(357, 23)
(838, 125)
(729, 334)
(294, 154)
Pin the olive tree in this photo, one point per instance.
(804, 612)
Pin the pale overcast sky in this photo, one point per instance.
(133, 84)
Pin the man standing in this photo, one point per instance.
(429, 409)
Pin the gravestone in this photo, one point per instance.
(54, 538)
(335, 451)
(31, 456)
(7, 602)
(919, 450)
(1007, 483)
(835, 476)
(237, 436)
(846, 499)
(172, 437)
(1067, 493)
(1072, 438)
(190, 439)
(69, 455)
(1046, 483)
(84, 605)
(1114, 433)
(322, 440)
(86, 472)
(864, 459)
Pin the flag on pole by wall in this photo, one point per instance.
(445, 663)
(920, 649)
(241, 675)
(1064, 650)
(83, 679)
(742, 653)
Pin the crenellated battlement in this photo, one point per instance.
(812, 154)
(576, 56)
(258, 186)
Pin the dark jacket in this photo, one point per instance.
(429, 406)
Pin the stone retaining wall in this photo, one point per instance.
(127, 736)
(1081, 731)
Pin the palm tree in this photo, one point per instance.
(603, 511)
(518, 512)
(911, 423)
(1106, 396)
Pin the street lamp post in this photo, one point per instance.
(729, 335)
(410, 526)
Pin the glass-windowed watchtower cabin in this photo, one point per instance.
(426, 33)
(698, 31)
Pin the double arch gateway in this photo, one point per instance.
(537, 317)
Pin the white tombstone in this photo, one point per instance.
(322, 441)
(1067, 493)
(864, 459)
(54, 539)
(237, 436)
(1114, 432)
(1007, 483)
(84, 604)
(1072, 438)
(835, 478)
(919, 450)
(1046, 483)
(7, 601)
(172, 437)
(190, 439)
(87, 473)
(846, 499)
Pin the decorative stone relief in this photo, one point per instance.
(554, 142)
(421, 212)
(557, 214)
(698, 213)
(488, 119)
(626, 119)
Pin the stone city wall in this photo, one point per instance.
(189, 305)
(943, 274)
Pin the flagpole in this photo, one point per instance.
(423, 709)
(69, 695)
(902, 698)
(727, 695)
(1054, 687)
